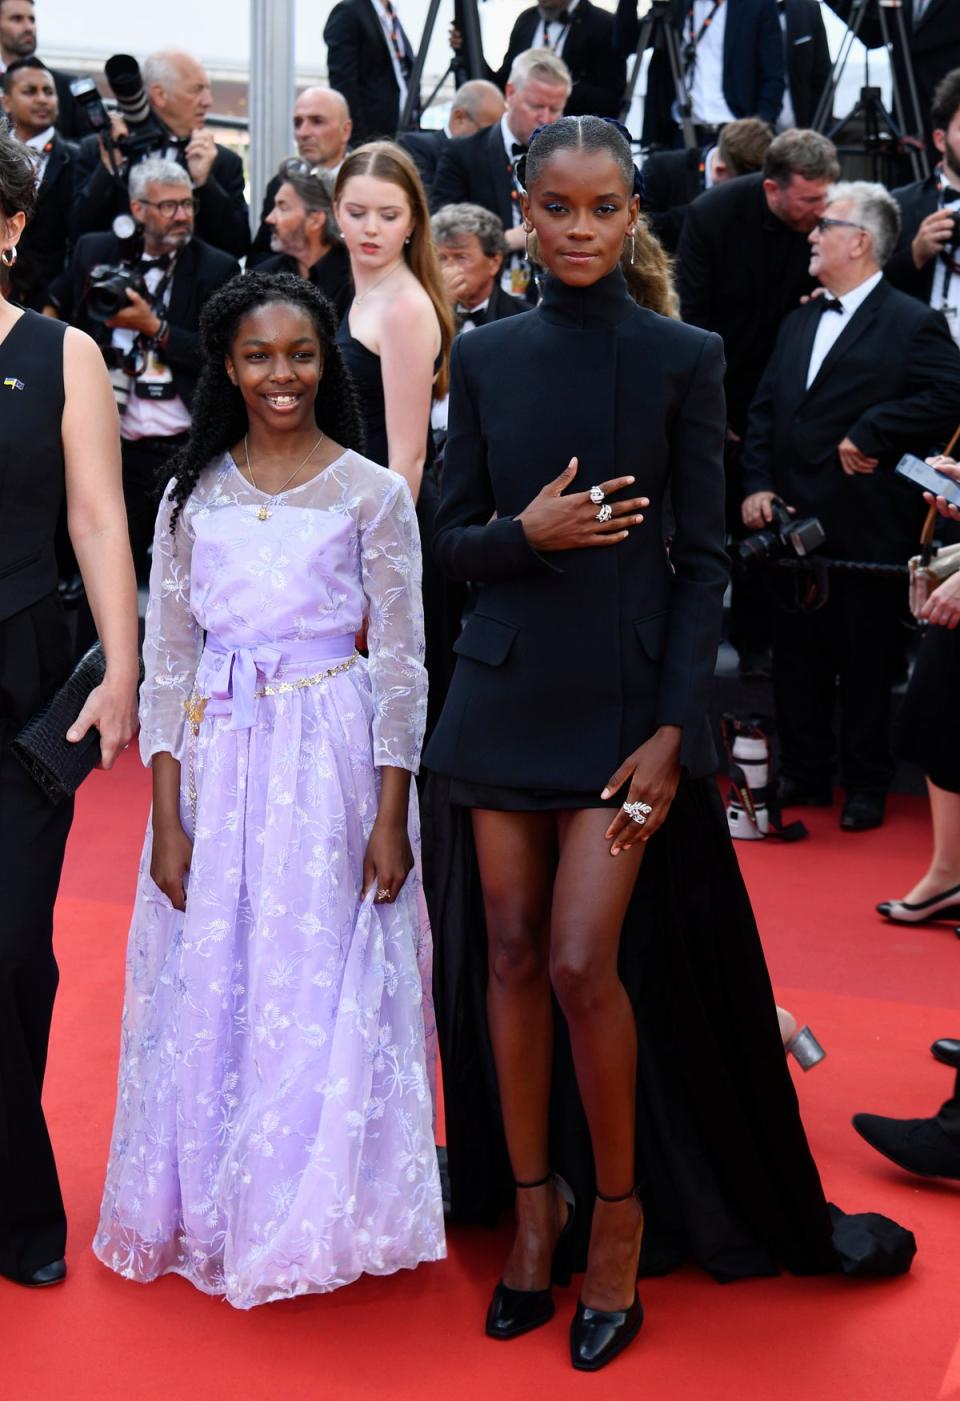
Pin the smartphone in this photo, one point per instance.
(917, 471)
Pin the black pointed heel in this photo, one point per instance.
(597, 1336)
(513, 1312)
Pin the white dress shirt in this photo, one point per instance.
(788, 118)
(387, 26)
(552, 34)
(37, 143)
(706, 81)
(150, 418)
(833, 323)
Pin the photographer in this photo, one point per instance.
(926, 261)
(856, 378)
(152, 345)
(178, 91)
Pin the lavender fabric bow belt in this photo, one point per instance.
(233, 688)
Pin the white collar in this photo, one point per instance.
(509, 139)
(851, 301)
(38, 142)
(708, 160)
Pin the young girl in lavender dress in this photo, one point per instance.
(274, 1128)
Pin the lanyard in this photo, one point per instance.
(396, 40)
(562, 21)
(694, 37)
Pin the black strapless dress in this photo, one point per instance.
(440, 612)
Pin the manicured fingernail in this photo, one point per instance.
(605, 793)
(71, 734)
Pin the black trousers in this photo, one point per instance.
(851, 651)
(949, 1116)
(143, 459)
(34, 660)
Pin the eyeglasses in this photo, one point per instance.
(169, 207)
(823, 224)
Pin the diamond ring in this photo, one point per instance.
(597, 495)
(383, 895)
(638, 812)
(604, 514)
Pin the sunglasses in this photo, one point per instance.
(823, 224)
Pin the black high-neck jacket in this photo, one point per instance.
(571, 659)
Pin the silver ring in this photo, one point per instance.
(638, 812)
(605, 514)
(383, 895)
(597, 495)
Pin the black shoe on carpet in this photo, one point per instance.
(54, 1273)
(918, 1145)
(947, 1051)
(862, 811)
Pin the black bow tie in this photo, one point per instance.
(478, 317)
(163, 262)
(517, 149)
(831, 304)
(948, 193)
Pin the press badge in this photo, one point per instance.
(155, 381)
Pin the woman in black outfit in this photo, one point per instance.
(58, 435)
(575, 734)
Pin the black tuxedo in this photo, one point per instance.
(934, 45)
(753, 66)
(475, 169)
(672, 180)
(426, 148)
(222, 217)
(891, 383)
(499, 305)
(199, 270)
(916, 202)
(598, 70)
(808, 58)
(331, 274)
(360, 66)
(43, 247)
(740, 272)
(569, 660)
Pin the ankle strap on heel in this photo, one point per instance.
(541, 1182)
(602, 1196)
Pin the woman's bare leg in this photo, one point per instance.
(591, 893)
(944, 870)
(517, 856)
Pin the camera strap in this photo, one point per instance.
(155, 379)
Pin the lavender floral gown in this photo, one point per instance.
(274, 1125)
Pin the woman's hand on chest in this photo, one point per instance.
(581, 519)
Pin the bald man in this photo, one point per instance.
(178, 90)
(475, 105)
(321, 128)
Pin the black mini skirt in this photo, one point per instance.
(499, 798)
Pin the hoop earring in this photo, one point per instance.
(9, 256)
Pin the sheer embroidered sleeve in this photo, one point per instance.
(173, 639)
(391, 571)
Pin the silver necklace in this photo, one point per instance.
(358, 297)
(264, 513)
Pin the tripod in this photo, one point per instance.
(468, 63)
(656, 29)
(886, 139)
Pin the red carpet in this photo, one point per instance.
(875, 996)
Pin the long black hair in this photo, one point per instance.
(643, 262)
(219, 414)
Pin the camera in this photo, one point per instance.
(145, 136)
(108, 286)
(784, 537)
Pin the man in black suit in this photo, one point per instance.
(179, 93)
(581, 34)
(855, 380)
(304, 237)
(926, 262)
(369, 60)
(18, 39)
(733, 59)
(933, 29)
(152, 347)
(808, 60)
(672, 180)
(476, 105)
(30, 102)
(480, 169)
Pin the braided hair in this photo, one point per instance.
(643, 261)
(219, 414)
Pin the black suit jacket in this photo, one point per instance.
(671, 181)
(740, 272)
(426, 148)
(222, 217)
(598, 70)
(753, 65)
(571, 659)
(476, 169)
(934, 44)
(359, 65)
(43, 247)
(891, 383)
(916, 202)
(199, 271)
(808, 57)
